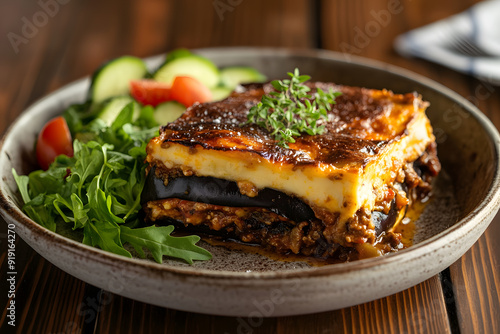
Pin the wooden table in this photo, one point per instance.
(58, 42)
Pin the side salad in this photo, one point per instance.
(92, 157)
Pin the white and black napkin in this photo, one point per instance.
(468, 42)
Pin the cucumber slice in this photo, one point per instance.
(235, 75)
(178, 53)
(220, 93)
(194, 66)
(113, 78)
(168, 112)
(112, 108)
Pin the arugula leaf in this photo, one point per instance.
(75, 115)
(159, 242)
(88, 163)
(106, 236)
(41, 211)
(50, 181)
(124, 117)
(80, 212)
(22, 183)
(146, 118)
(98, 189)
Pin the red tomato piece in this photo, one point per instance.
(187, 91)
(150, 92)
(53, 140)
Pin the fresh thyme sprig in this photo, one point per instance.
(290, 111)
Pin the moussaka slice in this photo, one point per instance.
(330, 195)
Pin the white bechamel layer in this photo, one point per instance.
(343, 190)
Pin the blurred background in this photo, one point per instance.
(46, 44)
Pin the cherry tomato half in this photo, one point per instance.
(53, 140)
(187, 91)
(150, 92)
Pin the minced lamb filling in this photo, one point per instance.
(321, 236)
(327, 195)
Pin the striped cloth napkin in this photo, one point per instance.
(468, 42)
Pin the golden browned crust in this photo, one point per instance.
(360, 124)
(360, 129)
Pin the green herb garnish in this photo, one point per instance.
(97, 191)
(291, 111)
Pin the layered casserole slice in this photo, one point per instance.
(334, 195)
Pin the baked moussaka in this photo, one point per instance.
(332, 195)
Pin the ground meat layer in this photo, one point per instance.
(321, 237)
(249, 225)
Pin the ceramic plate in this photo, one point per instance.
(235, 283)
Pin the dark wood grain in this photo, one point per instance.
(419, 309)
(47, 299)
(82, 35)
(476, 284)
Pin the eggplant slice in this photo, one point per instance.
(216, 191)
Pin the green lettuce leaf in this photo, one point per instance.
(159, 242)
(98, 189)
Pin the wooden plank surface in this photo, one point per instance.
(418, 309)
(476, 284)
(47, 299)
(81, 35)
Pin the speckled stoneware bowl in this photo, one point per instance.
(239, 284)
